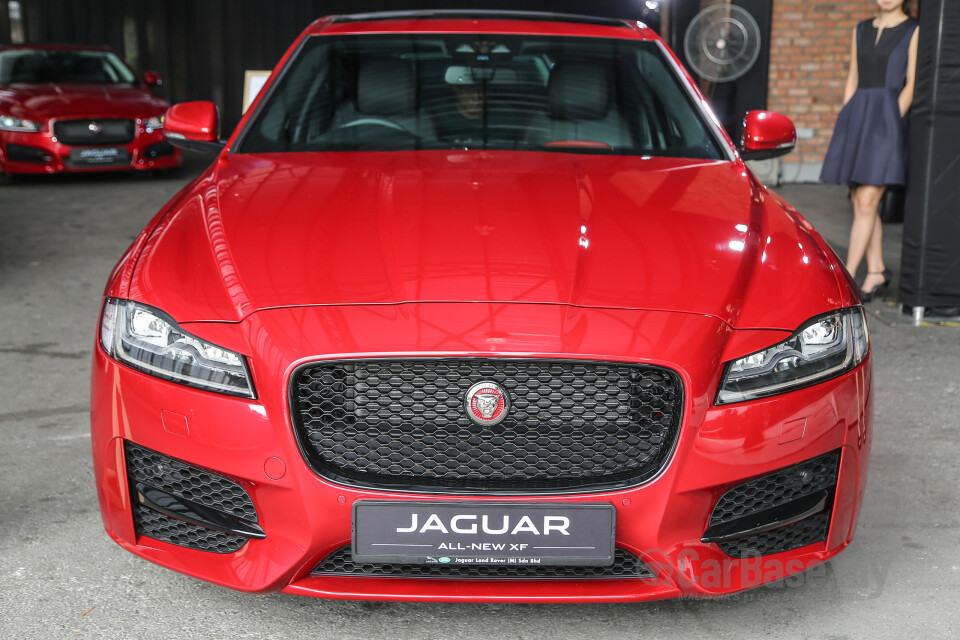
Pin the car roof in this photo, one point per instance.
(458, 20)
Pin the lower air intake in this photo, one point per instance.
(768, 496)
(186, 482)
(340, 563)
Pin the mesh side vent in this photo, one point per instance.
(193, 483)
(155, 525)
(777, 488)
(186, 481)
(794, 536)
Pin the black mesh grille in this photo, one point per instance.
(94, 132)
(773, 490)
(340, 563)
(402, 423)
(160, 527)
(777, 488)
(185, 481)
(794, 536)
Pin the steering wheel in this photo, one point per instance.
(380, 122)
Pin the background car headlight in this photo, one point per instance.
(822, 348)
(150, 341)
(9, 123)
(153, 123)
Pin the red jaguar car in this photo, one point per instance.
(481, 307)
(78, 109)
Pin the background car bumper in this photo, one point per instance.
(306, 517)
(38, 153)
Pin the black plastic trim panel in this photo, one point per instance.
(195, 513)
(153, 524)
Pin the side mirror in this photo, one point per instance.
(767, 135)
(194, 125)
(152, 78)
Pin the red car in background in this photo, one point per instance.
(481, 306)
(66, 108)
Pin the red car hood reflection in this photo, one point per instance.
(44, 101)
(278, 230)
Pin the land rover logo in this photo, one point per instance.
(486, 403)
(94, 127)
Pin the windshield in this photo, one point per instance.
(40, 66)
(480, 91)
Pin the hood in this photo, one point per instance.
(45, 101)
(280, 230)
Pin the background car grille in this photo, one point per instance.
(193, 483)
(78, 132)
(340, 563)
(401, 423)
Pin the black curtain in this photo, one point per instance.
(931, 232)
(729, 100)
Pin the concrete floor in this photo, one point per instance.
(61, 577)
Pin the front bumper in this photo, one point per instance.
(306, 518)
(41, 153)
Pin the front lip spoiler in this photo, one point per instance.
(769, 519)
(195, 513)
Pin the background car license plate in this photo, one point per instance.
(100, 155)
(483, 533)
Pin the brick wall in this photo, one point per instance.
(809, 54)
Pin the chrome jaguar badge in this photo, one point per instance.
(486, 403)
(94, 127)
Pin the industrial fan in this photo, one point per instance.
(722, 43)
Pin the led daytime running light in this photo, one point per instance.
(150, 341)
(822, 348)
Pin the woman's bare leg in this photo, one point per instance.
(875, 262)
(866, 234)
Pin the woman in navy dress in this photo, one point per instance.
(868, 149)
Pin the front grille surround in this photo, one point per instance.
(662, 416)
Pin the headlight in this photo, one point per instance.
(9, 123)
(153, 123)
(150, 341)
(821, 348)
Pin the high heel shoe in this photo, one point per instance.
(880, 289)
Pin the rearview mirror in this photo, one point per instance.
(461, 75)
(767, 134)
(194, 125)
(152, 78)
